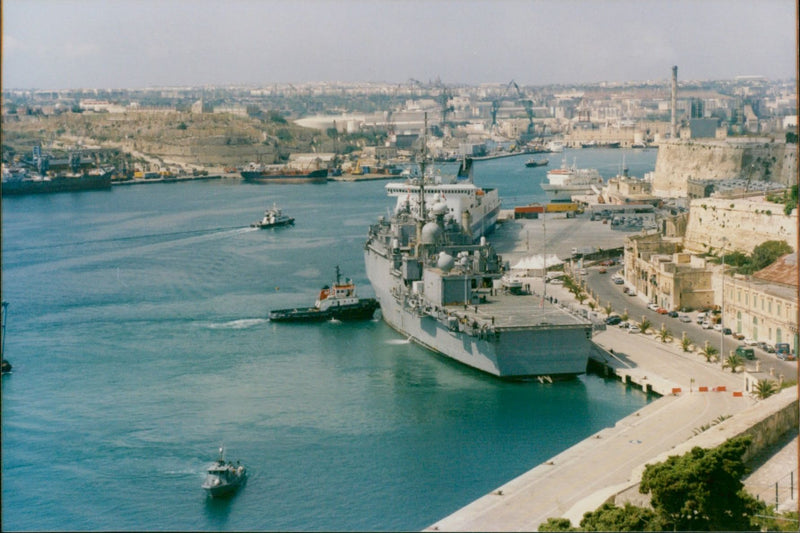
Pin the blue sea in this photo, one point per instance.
(138, 333)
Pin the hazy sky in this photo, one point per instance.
(143, 43)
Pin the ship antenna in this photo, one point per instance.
(337, 274)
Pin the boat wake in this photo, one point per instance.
(243, 323)
(399, 341)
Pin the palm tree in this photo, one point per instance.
(765, 388)
(686, 343)
(709, 352)
(664, 334)
(624, 316)
(608, 309)
(733, 361)
(592, 305)
(581, 296)
(645, 324)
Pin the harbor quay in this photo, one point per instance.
(700, 404)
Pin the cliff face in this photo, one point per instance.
(745, 223)
(680, 161)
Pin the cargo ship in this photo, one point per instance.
(19, 181)
(255, 173)
(439, 282)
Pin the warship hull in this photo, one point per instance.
(524, 340)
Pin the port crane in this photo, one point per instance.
(526, 103)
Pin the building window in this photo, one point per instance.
(778, 335)
(779, 309)
(738, 321)
(755, 328)
(769, 306)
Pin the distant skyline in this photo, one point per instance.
(67, 44)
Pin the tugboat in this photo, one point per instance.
(273, 218)
(339, 302)
(224, 478)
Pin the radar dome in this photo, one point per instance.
(439, 208)
(431, 233)
(445, 262)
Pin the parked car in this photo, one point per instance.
(786, 356)
(602, 270)
(685, 318)
(747, 353)
(619, 281)
(767, 347)
(625, 290)
(672, 314)
(750, 342)
(661, 311)
(727, 331)
(707, 325)
(701, 317)
(613, 320)
(717, 327)
(624, 325)
(738, 336)
(652, 307)
(634, 329)
(632, 292)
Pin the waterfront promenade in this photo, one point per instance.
(695, 394)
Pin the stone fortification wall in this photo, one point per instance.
(213, 151)
(679, 161)
(745, 223)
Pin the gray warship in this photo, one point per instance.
(440, 283)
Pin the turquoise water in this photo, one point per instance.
(139, 341)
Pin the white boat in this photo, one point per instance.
(563, 183)
(472, 207)
(555, 146)
(224, 478)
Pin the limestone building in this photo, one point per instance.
(662, 274)
(763, 306)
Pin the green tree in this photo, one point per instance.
(767, 252)
(733, 362)
(608, 309)
(765, 388)
(686, 343)
(609, 517)
(645, 324)
(664, 334)
(702, 489)
(557, 524)
(709, 352)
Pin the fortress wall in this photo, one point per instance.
(745, 223)
(218, 153)
(708, 159)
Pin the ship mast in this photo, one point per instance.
(421, 214)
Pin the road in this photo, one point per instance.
(607, 292)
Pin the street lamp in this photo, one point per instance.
(722, 305)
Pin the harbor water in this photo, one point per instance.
(138, 333)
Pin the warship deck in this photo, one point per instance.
(511, 311)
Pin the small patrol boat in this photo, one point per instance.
(272, 218)
(224, 478)
(337, 302)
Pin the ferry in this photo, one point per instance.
(563, 183)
